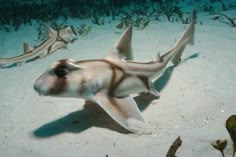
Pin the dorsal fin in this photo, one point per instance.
(123, 48)
(50, 32)
(157, 58)
(27, 48)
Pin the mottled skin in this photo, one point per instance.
(110, 81)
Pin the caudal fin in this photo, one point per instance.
(186, 39)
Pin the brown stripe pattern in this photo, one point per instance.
(115, 81)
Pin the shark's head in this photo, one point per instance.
(61, 79)
(67, 33)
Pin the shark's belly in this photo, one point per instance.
(129, 85)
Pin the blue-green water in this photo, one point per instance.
(15, 14)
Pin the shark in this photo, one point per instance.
(56, 39)
(111, 81)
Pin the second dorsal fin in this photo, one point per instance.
(27, 48)
(157, 58)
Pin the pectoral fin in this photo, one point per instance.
(2, 65)
(153, 90)
(123, 110)
(43, 55)
(57, 45)
(20, 63)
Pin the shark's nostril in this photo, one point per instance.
(35, 87)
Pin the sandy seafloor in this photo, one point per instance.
(197, 97)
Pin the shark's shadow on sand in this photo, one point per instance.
(93, 116)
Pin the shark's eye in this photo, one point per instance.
(61, 72)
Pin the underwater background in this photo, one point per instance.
(197, 96)
(15, 14)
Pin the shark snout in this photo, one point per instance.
(40, 89)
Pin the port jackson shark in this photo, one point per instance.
(56, 39)
(109, 82)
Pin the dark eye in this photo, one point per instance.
(61, 72)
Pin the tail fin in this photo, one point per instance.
(186, 38)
